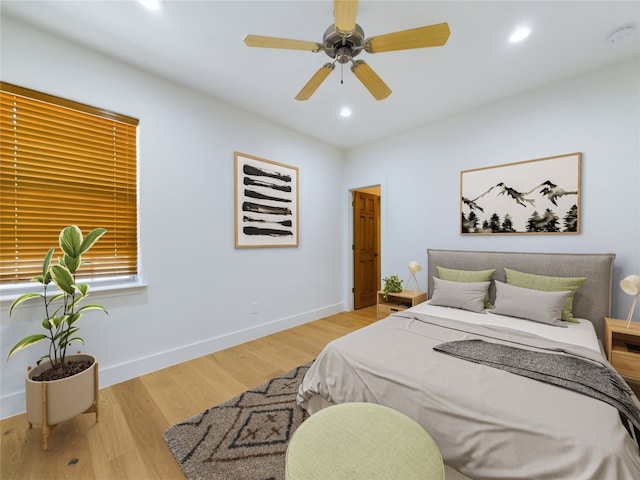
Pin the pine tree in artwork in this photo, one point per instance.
(469, 224)
(571, 220)
(534, 222)
(550, 220)
(494, 223)
(473, 221)
(507, 224)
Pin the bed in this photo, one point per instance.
(488, 422)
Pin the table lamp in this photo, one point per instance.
(631, 286)
(414, 267)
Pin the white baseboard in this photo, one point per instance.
(13, 404)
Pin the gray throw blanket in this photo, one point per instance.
(568, 371)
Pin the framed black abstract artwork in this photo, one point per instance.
(266, 203)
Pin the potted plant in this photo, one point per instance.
(62, 385)
(392, 284)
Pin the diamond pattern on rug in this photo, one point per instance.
(264, 427)
(244, 438)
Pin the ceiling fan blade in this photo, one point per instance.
(370, 80)
(344, 13)
(315, 81)
(428, 36)
(285, 43)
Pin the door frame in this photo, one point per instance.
(351, 254)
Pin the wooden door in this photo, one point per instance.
(366, 214)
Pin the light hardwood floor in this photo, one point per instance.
(127, 442)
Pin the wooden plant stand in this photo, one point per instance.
(47, 429)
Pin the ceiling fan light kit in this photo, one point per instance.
(345, 39)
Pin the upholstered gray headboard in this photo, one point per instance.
(592, 300)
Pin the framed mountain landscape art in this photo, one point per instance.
(535, 196)
(266, 203)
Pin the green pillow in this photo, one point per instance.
(548, 284)
(467, 276)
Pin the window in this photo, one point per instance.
(64, 163)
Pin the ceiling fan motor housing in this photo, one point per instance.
(343, 46)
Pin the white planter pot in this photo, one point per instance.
(50, 403)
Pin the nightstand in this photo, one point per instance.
(620, 343)
(396, 302)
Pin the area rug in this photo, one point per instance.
(244, 438)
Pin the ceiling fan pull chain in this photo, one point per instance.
(342, 74)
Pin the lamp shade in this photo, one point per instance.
(631, 285)
(414, 267)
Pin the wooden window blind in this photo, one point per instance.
(64, 163)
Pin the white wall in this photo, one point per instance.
(200, 288)
(596, 114)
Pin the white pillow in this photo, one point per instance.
(530, 304)
(464, 295)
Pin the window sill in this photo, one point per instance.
(112, 289)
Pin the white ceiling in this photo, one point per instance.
(199, 44)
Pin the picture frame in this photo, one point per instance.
(266, 203)
(540, 196)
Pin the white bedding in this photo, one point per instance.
(581, 333)
(488, 423)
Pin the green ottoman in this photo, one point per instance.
(362, 441)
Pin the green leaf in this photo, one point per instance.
(44, 357)
(59, 338)
(57, 321)
(74, 318)
(92, 307)
(46, 262)
(92, 237)
(21, 299)
(71, 240)
(72, 263)
(25, 342)
(57, 311)
(56, 297)
(73, 307)
(83, 288)
(75, 339)
(63, 336)
(62, 278)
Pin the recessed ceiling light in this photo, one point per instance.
(345, 112)
(154, 5)
(519, 34)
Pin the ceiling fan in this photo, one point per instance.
(345, 39)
